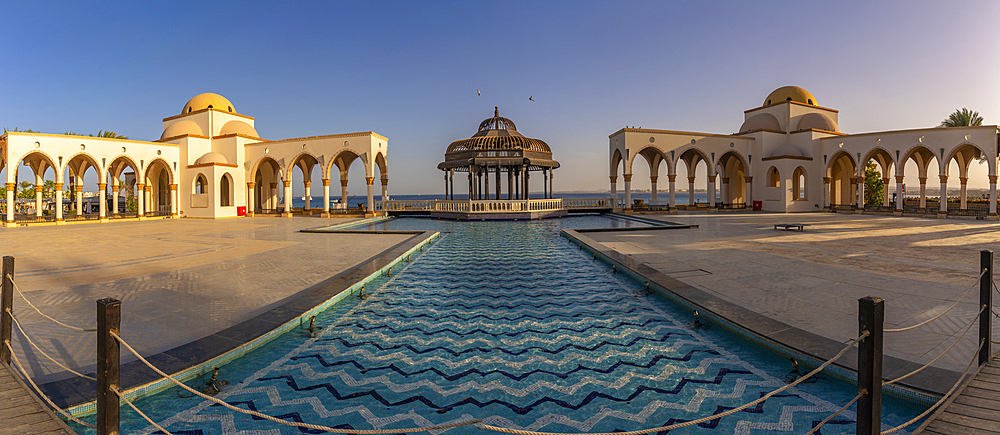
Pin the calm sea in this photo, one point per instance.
(354, 200)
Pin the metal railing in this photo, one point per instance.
(493, 205)
(732, 206)
(843, 207)
(31, 218)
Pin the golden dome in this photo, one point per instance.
(790, 93)
(761, 121)
(208, 100)
(239, 127)
(181, 128)
(817, 121)
(211, 157)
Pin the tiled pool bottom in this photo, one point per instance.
(508, 322)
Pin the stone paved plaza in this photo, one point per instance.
(178, 279)
(812, 280)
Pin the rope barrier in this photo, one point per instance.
(286, 422)
(943, 398)
(975, 320)
(32, 343)
(11, 278)
(40, 393)
(122, 396)
(942, 314)
(850, 344)
(828, 418)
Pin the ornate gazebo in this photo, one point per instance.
(497, 148)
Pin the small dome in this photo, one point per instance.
(790, 93)
(239, 127)
(208, 100)
(786, 150)
(211, 157)
(761, 121)
(817, 121)
(181, 128)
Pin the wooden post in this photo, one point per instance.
(108, 320)
(871, 317)
(7, 307)
(985, 300)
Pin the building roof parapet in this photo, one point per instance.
(197, 136)
(205, 110)
(684, 133)
(876, 133)
(806, 130)
(202, 165)
(329, 136)
(811, 106)
(141, 142)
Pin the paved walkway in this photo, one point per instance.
(812, 280)
(178, 279)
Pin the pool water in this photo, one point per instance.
(510, 323)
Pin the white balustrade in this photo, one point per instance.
(494, 206)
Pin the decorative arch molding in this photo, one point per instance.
(650, 153)
(301, 155)
(837, 155)
(257, 165)
(701, 154)
(347, 151)
(166, 165)
(616, 161)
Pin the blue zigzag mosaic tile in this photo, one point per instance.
(510, 323)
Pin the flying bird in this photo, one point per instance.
(532, 98)
(479, 93)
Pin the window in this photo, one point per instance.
(225, 191)
(773, 177)
(209, 106)
(230, 108)
(810, 101)
(200, 184)
(799, 184)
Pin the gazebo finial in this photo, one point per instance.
(496, 111)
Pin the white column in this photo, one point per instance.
(964, 196)
(326, 196)
(885, 192)
(288, 198)
(725, 191)
(943, 195)
(79, 196)
(628, 191)
(690, 190)
(614, 187)
(147, 191)
(102, 197)
(173, 200)
(10, 201)
(114, 199)
(371, 194)
(551, 177)
(711, 190)
(385, 188)
(671, 185)
(308, 185)
(38, 195)
(899, 193)
(343, 192)
(59, 204)
(139, 198)
(923, 193)
(993, 195)
(749, 197)
(861, 193)
(652, 188)
(251, 198)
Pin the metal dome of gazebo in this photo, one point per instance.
(496, 148)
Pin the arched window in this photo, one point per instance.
(773, 177)
(799, 184)
(226, 191)
(209, 106)
(200, 184)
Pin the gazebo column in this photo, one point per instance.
(102, 197)
(628, 190)
(114, 198)
(486, 182)
(173, 201)
(545, 184)
(690, 190)
(749, 190)
(964, 196)
(711, 190)
(251, 197)
(59, 205)
(510, 184)
(446, 184)
(526, 176)
(370, 181)
(140, 201)
(993, 196)
(899, 194)
(10, 202)
(923, 193)
(471, 190)
(826, 192)
(652, 188)
(307, 185)
(451, 181)
(499, 189)
(671, 186)
(343, 191)
(885, 192)
(551, 177)
(326, 197)
(288, 198)
(943, 195)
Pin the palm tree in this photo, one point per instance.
(109, 134)
(962, 118)
(19, 131)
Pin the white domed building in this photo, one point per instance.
(789, 155)
(209, 162)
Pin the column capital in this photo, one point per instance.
(691, 180)
(963, 180)
(993, 179)
(274, 185)
(12, 186)
(628, 178)
(173, 187)
(139, 185)
(614, 178)
(59, 187)
(885, 180)
(79, 188)
(671, 178)
(827, 180)
(923, 180)
(748, 178)
(250, 184)
(102, 186)
(725, 180)
(287, 183)
(385, 181)
(308, 183)
(369, 180)
(148, 188)
(38, 187)
(326, 182)
(944, 178)
(343, 183)
(653, 178)
(899, 179)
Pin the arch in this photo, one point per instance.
(226, 189)
(266, 174)
(922, 156)
(266, 160)
(158, 177)
(306, 158)
(200, 185)
(616, 160)
(343, 161)
(773, 177)
(964, 153)
(653, 155)
(733, 169)
(799, 187)
(48, 159)
(883, 158)
(166, 167)
(91, 160)
(691, 155)
(842, 171)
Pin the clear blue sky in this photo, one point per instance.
(410, 70)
